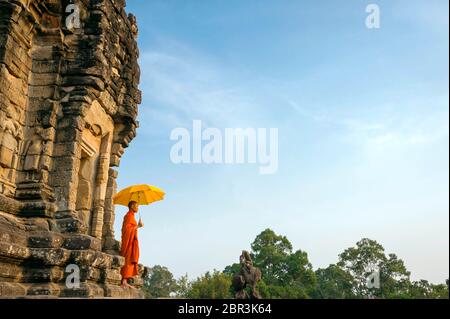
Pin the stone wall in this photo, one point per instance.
(68, 107)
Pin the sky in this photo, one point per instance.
(363, 129)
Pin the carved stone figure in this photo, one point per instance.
(10, 138)
(248, 275)
(85, 189)
(33, 152)
(36, 154)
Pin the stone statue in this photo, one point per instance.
(248, 275)
(35, 150)
(85, 189)
(10, 137)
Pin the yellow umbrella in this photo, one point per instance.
(141, 194)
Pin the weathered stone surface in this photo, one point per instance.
(114, 291)
(45, 240)
(92, 258)
(68, 107)
(82, 242)
(12, 289)
(14, 251)
(10, 272)
(12, 231)
(88, 290)
(71, 225)
(49, 256)
(46, 289)
(248, 276)
(111, 276)
(43, 275)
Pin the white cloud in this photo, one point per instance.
(185, 85)
(408, 126)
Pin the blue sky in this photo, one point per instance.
(363, 120)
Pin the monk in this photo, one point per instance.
(130, 245)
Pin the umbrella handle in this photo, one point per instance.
(139, 213)
(140, 219)
(139, 199)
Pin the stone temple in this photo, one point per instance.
(68, 104)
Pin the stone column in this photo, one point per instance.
(101, 184)
(43, 106)
(64, 177)
(110, 245)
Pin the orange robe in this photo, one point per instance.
(130, 246)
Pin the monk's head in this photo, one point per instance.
(133, 206)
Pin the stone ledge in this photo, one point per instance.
(86, 290)
(77, 242)
(93, 258)
(61, 256)
(8, 289)
(10, 272)
(49, 256)
(9, 205)
(45, 240)
(45, 289)
(123, 293)
(14, 251)
(11, 233)
(51, 290)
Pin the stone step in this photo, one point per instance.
(53, 291)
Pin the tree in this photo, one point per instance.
(269, 254)
(299, 274)
(183, 287)
(289, 275)
(334, 283)
(211, 286)
(232, 269)
(422, 289)
(285, 274)
(394, 278)
(159, 283)
(440, 291)
(368, 261)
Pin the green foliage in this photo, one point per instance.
(285, 274)
(334, 283)
(232, 269)
(270, 252)
(159, 283)
(299, 273)
(289, 275)
(211, 286)
(367, 258)
(424, 290)
(183, 287)
(439, 291)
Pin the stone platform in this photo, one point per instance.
(34, 260)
